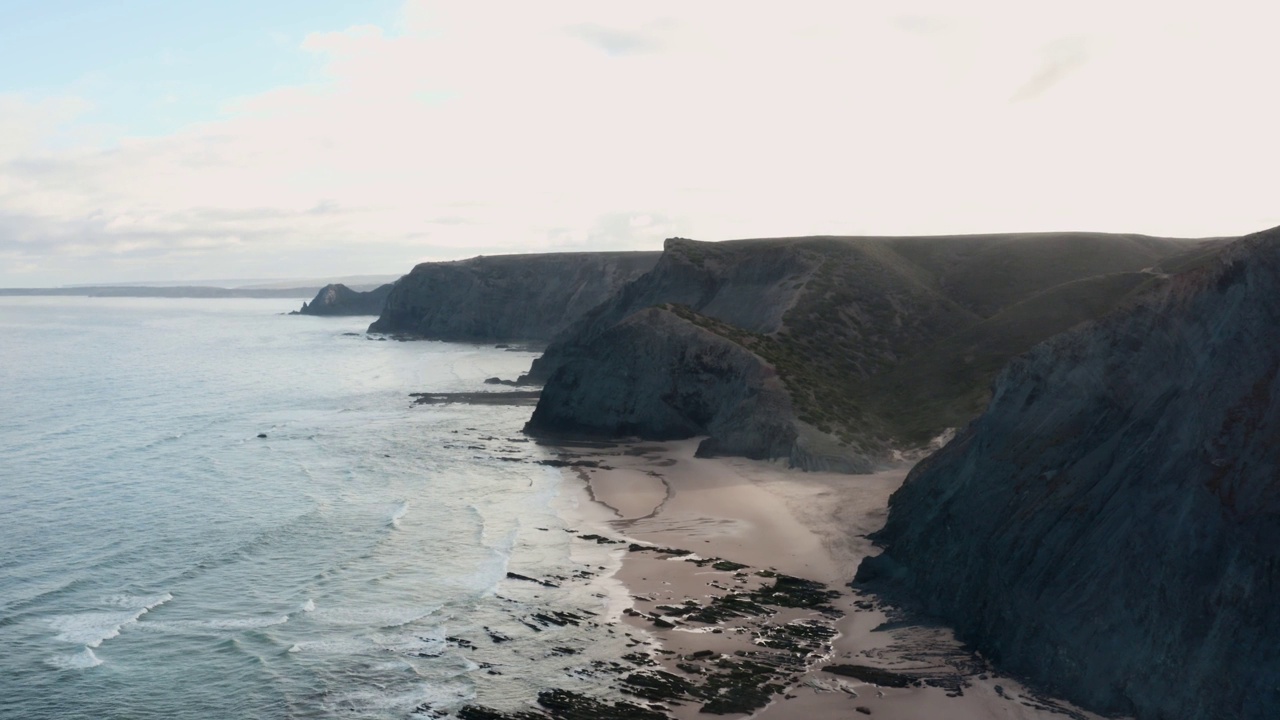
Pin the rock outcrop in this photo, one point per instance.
(845, 323)
(1110, 527)
(338, 299)
(953, 281)
(524, 298)
(659, 376)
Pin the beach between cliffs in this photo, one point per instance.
(738, 575)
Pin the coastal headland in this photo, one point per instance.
(854, 358)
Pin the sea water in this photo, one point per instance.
(160, 559)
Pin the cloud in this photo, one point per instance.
(515, 127)
(27, 122)
(615, 41)
(1060, 59)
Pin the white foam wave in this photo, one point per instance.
(83, 659)
(432, 643)
(126, 600)
(308, 606)
(381, 700)
(242, 623)
(387, 616)
(214, 624)
(91, 629)
(337, 646)
(398, 513)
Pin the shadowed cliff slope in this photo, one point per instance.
(847, 323)
(660, 376)
(1110, 527)
(338, 299)
(506, 297)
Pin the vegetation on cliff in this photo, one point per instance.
(881, 343)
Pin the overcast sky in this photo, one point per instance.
(167, 140)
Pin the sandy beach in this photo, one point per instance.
(768, 523)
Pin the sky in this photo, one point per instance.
(173, 140)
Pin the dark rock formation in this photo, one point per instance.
(338, 299)
(1110, 527)
(506, 297)
(952, 281)
(658, 376)
(747, 283)
(848, 325)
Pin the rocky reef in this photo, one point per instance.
(338, 299)
(527, 298)
(841, 328)
(1110, 527)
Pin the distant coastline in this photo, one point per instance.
(163, 292)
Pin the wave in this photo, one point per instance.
(308, 606)
(91, 629)
(83, 659)
(382, 617)
(381, 701)
(147, 602)
(397, 513)
(489, 575)
(429, 644)
(216, 624)
(11, 610)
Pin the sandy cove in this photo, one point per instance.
(777, 522)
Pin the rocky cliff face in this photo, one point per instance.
(1110, 527)
(338, 299)
(751, 282)
(835, 317)
(659, 376)
(506, 297)
(873, 285)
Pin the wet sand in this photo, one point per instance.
(806, 525)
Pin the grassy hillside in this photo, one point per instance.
(947, 384)
(888, 341)
(986, 273)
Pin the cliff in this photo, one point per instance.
(658, 375)
(506, 297)
(338, 299)
(1110, 526)
(847, 323)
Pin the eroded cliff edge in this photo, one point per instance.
(877, 343)
(525, 298)
(338, 299)
(1110, 527)
(658, 375)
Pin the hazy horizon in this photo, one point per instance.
(151, 142)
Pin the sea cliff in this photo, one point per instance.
(848, 326)
(526, 298)
(338, 299)
(1110, 526)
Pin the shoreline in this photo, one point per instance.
(767, 521)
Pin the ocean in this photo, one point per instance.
(160, 559)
